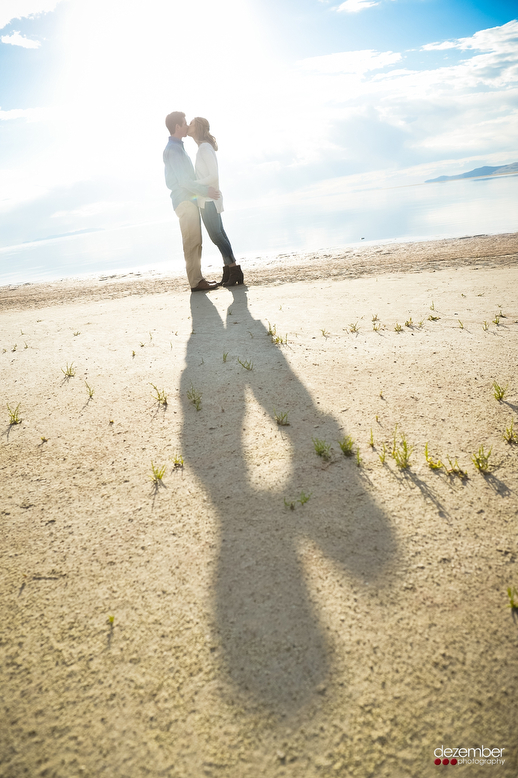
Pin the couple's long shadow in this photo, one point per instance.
(273, 643)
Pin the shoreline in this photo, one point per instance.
(336, 263)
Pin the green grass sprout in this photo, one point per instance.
(510, 435)
(322, 449)
(14, 414)
(160, 395)
(281, 418)
(499, 391)
(69, 370)
(430, 462)
(481, 460)
(194, 397)
(346, 445)
(157, 473)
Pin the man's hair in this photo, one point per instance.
(172, 119)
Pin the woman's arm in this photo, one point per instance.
(208, 157)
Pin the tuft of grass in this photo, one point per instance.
(248, 364)
(398, 327)
(272, 330)
(383, 455)
(281, 418)
(433, 318)
(496, 320)
(420, 323)
(111, 619)
(409, 322)
(513, 598)
(132, 353)
(485, 326)
(455, 469)
(225, 355)
(304, 498)
(279, 340)
(289, 504)
(25, 345)
(194, 397)
(510, 435)
(325, 333)
(178, 462)
(44, 439)
(432, 306)
(14, 414)
(157, 473)
(481, 460)
(499, 391)
(371, 439)
(359, 460)
(346, 444)
(401, 451)
(160, 395)
(322, 449)
(354, 327)
(375, 317)
(376, 326)
(461, 325)
(14, 347)
(69, 370)
(430, 462)
(89, 390)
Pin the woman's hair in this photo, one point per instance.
(202, 132)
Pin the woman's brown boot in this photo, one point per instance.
(226, 275)
(236, 276)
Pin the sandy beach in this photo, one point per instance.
(263, 610)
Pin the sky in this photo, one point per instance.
(307, 98)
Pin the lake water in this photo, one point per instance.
(421, 212)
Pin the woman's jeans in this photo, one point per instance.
(214, 226)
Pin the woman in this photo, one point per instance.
(207, 173)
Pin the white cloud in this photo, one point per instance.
(351, 61)
(353, 6)
(503, 39)
(30, 114)
(20, 9)
(16, 39)
(86, 211)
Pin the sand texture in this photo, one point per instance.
(217, 622)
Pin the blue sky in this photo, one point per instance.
(308, 99)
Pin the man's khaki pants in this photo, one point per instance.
(190, 225)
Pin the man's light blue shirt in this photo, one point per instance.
(180, 177)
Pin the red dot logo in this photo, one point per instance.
(437, 761)
(453, 761)
(446, 761)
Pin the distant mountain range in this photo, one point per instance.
(484, 172)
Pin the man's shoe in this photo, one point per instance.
(235, 277)
(226, 275)
(205, 286)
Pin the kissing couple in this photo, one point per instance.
(195, 191)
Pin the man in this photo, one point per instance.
(180, 178)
